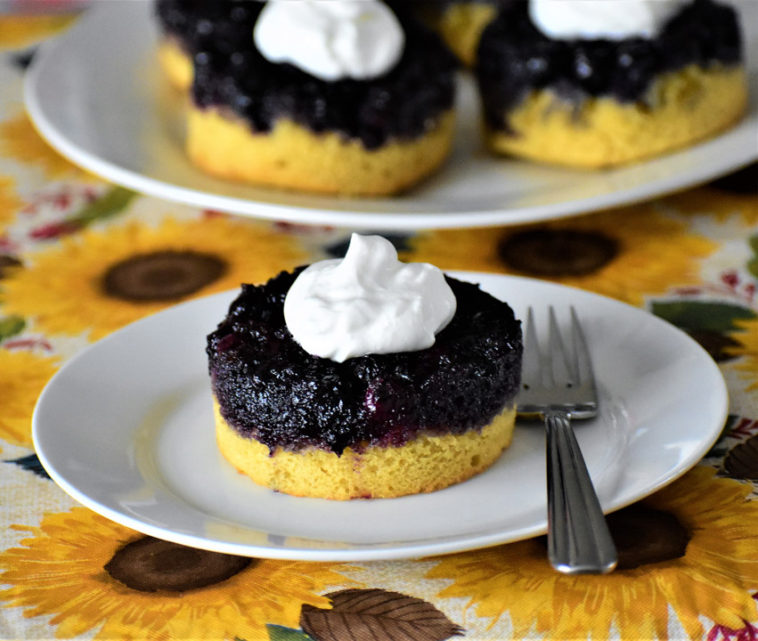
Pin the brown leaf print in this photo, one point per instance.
(742, 460)
(379, 615)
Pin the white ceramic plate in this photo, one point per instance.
(96, 95)
(126, 428)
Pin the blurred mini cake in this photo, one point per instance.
(598, 83)
(348, 97)
(364, 377)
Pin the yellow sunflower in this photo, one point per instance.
(626, 253)
(24, 30)
(102, 280)
(9, 201)
(86, 571)
(20, 140)
(716, 202)
(22, 376)
(689, 548)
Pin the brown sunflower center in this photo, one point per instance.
(644, 535)
(162, 275)
(557, 252)
(150, 565)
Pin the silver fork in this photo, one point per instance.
(559, 386)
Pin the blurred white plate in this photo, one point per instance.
(127, 429)
(96, 95)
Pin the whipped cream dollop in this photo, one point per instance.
(606, 19)
(367, 303)
(331, 39)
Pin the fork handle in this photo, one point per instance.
(578, 538)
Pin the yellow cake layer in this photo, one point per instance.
(461, 25)
(291, 156)
(425, 464)
(682, 107)
(176, 64)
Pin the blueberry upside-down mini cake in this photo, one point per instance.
(364, 377)
(594, 83)
(349, 97)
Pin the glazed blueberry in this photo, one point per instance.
(269, 388)
(514, 57)
(230, 72)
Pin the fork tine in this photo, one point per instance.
(530, 365)
(558, 362)
(581, 351)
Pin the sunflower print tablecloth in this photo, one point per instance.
(73, 253)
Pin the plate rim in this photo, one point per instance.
(357, 218)
(390, 550)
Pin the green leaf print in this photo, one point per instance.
(109, 204)
(10, 326)
(752, 265)
(702, 315)
(280, 633)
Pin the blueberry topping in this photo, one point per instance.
(269, 388)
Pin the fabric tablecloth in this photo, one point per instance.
(689, 569)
